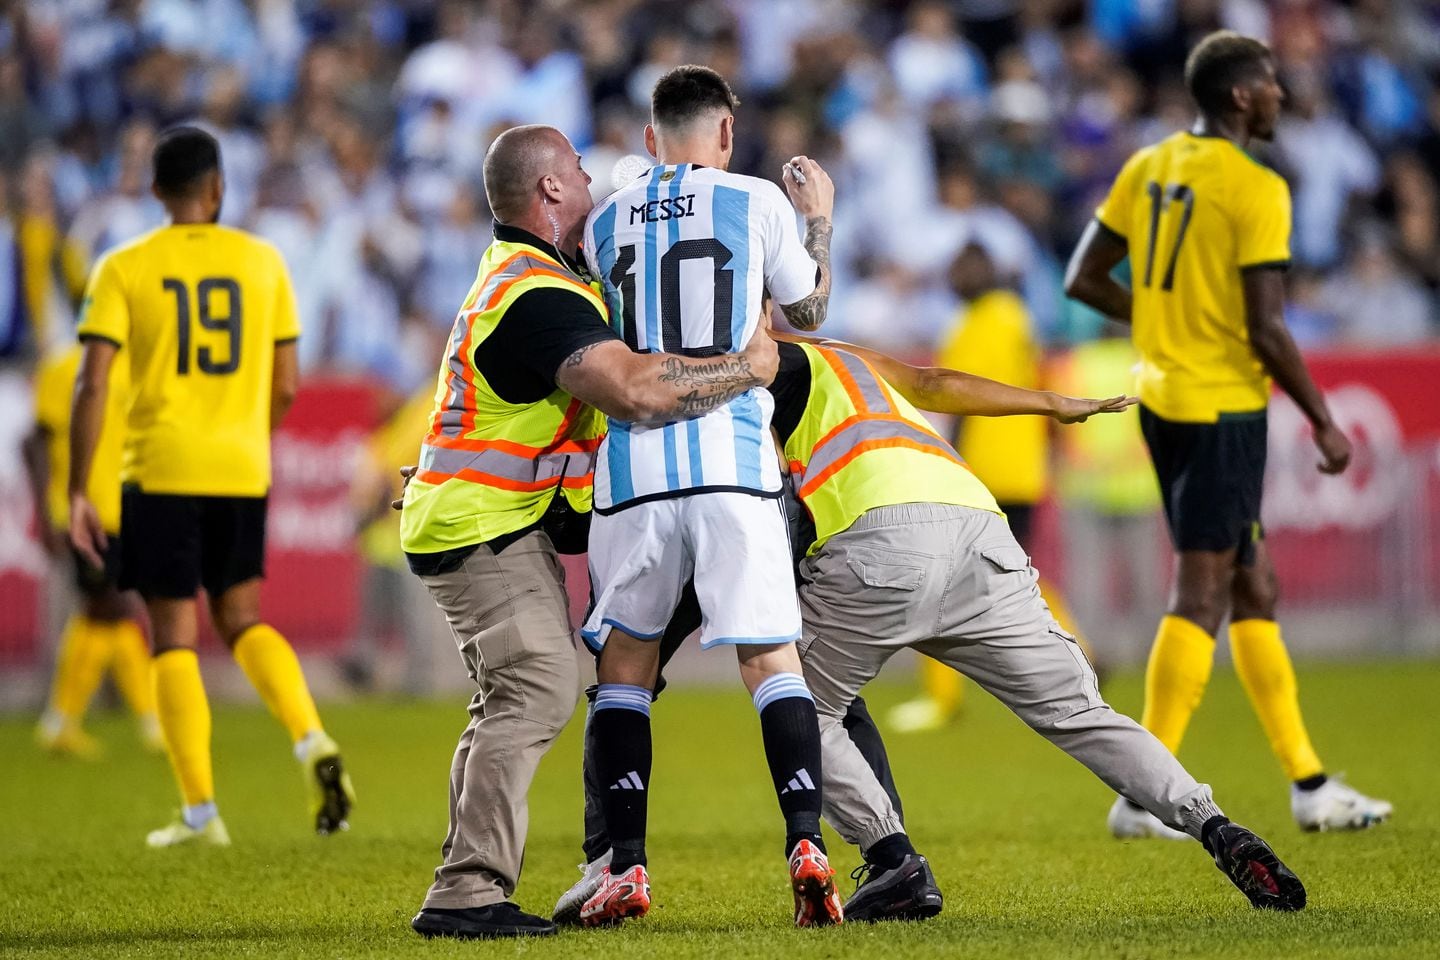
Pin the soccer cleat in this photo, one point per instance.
(490, 922)
(1334, 805)
(617, 898)
(331, 795)
(817, 901)
(179, 833)
(906, 892)
(921, 715)
(67, 739)
(1129, 822)
(567, 908)
(1253, 867)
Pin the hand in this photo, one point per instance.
(406, 475)
(763, 355)
(1334, 449)
(816, 196)
(1076, 410)
(86, 533)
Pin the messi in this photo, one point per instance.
(670, 208)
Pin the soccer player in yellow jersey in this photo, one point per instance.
(204, 318)
(103, 634)
(1207, 230)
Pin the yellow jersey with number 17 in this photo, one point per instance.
(1196, 212)
(197, 310)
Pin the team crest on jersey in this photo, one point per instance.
(667, 176)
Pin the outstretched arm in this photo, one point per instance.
(942, 390)
(1087, 277)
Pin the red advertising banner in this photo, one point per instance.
(1371, 536)
(312, 570)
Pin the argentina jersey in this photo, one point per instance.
(684, 254)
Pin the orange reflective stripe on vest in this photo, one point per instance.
(859, 434)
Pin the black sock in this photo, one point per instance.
(792, 748)
(889, 852)
(866, 737)
(621, 725)
(1207, 831)
(597, 840)
(1312, 783)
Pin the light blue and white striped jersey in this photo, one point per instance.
(684, 253)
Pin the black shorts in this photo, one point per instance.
(1021, 518)
(1211, 476)
(92, 581)
(173, 544)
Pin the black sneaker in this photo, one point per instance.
(493, 920)
(1253, 867)
(906, 892)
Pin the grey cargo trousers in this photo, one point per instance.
(511, 620)
(952, 583)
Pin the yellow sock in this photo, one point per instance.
(270, 663)
(1060, 610)
(84, 654)
(943, 685)
(185, 720)
(1269, 679)
(1175, 678)
(131, 666)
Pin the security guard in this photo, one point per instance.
(513, 425)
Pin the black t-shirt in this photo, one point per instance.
(791, 390)
(539, 331)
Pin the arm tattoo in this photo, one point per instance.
(714, 382)
(809, 313)
(578, 357)
(716, 372)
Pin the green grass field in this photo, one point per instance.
(1014, 828)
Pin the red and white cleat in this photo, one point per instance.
(627, 895)
(817, 901)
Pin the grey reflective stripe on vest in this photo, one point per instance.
(454, 411)
(833, 449)
(508, 466)
(870, 389)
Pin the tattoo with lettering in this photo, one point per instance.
(809, 313)
(717, 372)
(695, 403)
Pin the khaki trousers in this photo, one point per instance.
(510, 617)
(952, 583)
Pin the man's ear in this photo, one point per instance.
(727, 132)
(1240, 97)
(550, 188)
(651, 145)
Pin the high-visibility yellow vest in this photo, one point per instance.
(860, 445)
(488, 467)
(1105, 465)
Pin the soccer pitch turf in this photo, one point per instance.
(1016, 832)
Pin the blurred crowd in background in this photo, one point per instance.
(353, 133)
(969, 140)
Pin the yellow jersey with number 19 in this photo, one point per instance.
(197, 310)
(1196, 212)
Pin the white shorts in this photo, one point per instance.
(735, 546)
